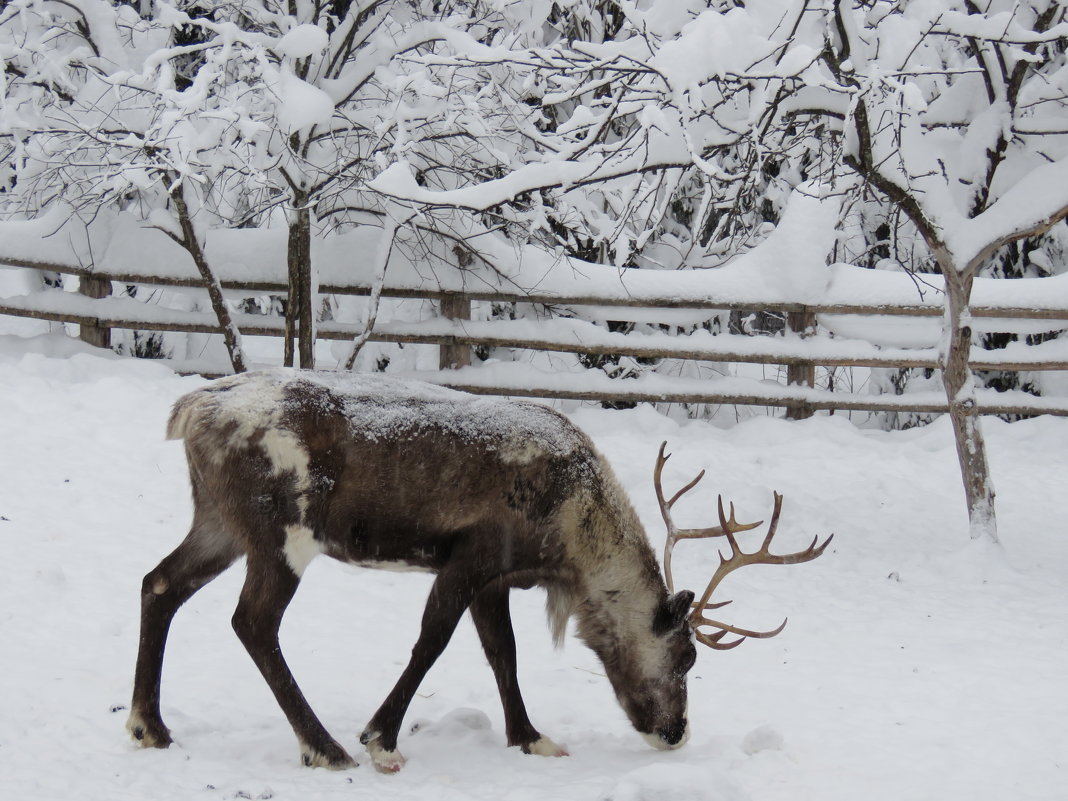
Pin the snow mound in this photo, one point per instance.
(458, 721)
(763, 738)
(675, 782)
(462, 725)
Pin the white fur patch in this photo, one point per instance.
(559, 607)
(300, 548)
(285, 451)
(394, 565)
(656, 741)
(249, 413)
(385, 761)
(660, 744)
(287, 454)
(141, 733)
(521, 452)
(543, 746)
(311, 758)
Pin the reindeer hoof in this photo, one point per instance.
(543, 746)
(148, 734)
(332, 756)
(385, 761)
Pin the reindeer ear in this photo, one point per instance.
(672, 612)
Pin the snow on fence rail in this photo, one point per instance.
(800, 352)
(824, 330)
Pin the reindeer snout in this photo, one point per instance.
(669, 737)
(674, 736)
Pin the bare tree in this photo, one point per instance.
(273, 115)
(950, 111)
(96, 137)
(959, 126)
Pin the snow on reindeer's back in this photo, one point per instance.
(376, 406)
(379, 406)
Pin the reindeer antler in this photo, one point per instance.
(727, 527)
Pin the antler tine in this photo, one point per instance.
(739, 558)
(774, 524)
(713, 640)
(665, 512)
(726, 524)
(674, 533)
(728, 527)
(666, 505)
(806, 555)
(658, 471)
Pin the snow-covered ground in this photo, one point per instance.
(916, 664)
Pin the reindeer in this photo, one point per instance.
(487, 494)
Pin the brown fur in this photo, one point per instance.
(488, 495)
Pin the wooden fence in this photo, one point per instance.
(804, 345)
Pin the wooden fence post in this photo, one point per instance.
(801, 322)
(93, 287)
(452, 355)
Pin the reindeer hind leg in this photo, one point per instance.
(269, 587)
(456, 586)
(201, 556)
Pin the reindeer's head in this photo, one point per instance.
(648, 669)
(666, 691)
(652, 688)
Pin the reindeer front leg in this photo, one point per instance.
(493, 621)
(453, 590)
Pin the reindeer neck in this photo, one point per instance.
(621, 580)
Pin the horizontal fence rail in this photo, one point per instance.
(931, 306)
(799, 351)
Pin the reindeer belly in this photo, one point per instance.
(387, 544)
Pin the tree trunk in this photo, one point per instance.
(963, 408)
(292, 305)
(300, 307)
(190, 241)
(378, 281)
